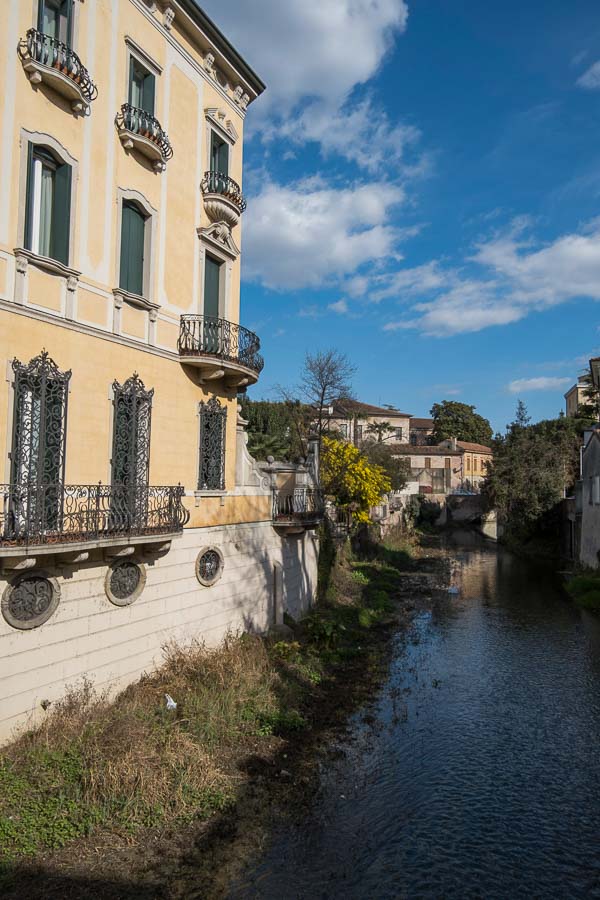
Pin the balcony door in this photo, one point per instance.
(130, 454)
(212, 337)
(55, 19)
(219, 163)
(38, 447)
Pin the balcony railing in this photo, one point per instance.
(218, 338)
(219, 183)
(41, 514)
(47, 51)
(301, 506)
(144, 125)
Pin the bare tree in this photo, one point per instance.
(326, 378)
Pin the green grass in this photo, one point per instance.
(585, 590)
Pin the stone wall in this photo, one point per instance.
(88, 636)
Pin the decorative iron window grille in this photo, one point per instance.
(125, 582)
(213, 419)
(130, 463)
(38, 444)
(209, 566)
(30, 601)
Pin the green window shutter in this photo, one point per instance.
(67, 12)
(29, 198)
(212, 272)
(148, 94)
(219, 155)
(131, 274)
(132, 83)
(61, 214)
(223, 160)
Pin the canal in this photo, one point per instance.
(476, 770)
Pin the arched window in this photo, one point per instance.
(133, 248)
(48, 204)
(213, 419)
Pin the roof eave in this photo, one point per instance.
(216, 37)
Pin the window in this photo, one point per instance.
(448, 462)
(475, 461)
(358, 433)
(213, 419)
(212, 286)
(48, 204)
(131, 432)
(38, 446)
(398, 434)
(55, 18)
(596, 487)
(133, 234)
(468, 464)
(219, 154)
(427, 462)
(141, 86)
(344, 430)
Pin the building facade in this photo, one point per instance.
(421, 431)
(356, 422)
(576, 396)
(131, 513)
(446, 467)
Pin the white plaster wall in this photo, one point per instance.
(89, 636)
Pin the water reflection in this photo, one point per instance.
(481, 776)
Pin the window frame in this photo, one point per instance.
(146, 62)
(226, 268)
(212, 406)
(62, 158)
(72, 21)
(126, 195)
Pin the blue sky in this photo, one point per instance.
(423, 180)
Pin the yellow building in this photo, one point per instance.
(131, 512)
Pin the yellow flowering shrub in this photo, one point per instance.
(350, 479)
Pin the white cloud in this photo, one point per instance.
(543, 383)
(313, 56)
(320, 50)
(590, 78)
(310, 235)
(506, 279)
(340, 306)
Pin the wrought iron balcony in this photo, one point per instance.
(223, 199)
(140, 130)
(220, 348)
(299, 509)
(46, 59)
(33, 515)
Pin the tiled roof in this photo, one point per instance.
(344, 408)
(421, 423)
(474, 448)
(425, 450)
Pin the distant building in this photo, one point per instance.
(420, 431)
(575, 396)
(352, 419)
(446, 467)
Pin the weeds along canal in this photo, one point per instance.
(475, 772)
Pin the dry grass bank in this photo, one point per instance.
(129, 771)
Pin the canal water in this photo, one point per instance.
(476, 771)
